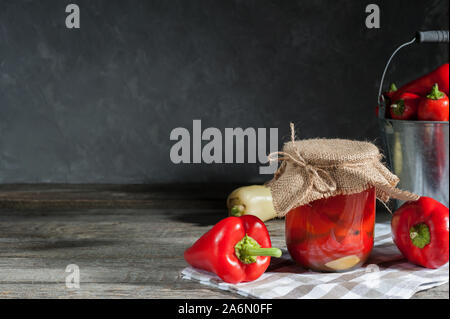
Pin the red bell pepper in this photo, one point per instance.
(420, 230)
(434, 107)
(405, 107)
(237, 249)
(422, 85)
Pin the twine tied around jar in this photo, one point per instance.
(323, 184)
(321, 168)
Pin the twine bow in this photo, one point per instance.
(317, 177)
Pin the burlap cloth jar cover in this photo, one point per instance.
(320, 168)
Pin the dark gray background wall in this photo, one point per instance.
(98, 104)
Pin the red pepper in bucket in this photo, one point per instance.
(435, 106)
(237, 249)
(422, 85)
(420, 230)
(405, 107)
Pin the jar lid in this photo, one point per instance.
(320, 168)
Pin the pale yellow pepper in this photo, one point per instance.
(251, 200)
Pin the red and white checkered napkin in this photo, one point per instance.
(386, 275)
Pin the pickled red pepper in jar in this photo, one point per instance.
(326, 189)
(332, 234)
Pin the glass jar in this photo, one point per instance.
(332, 234)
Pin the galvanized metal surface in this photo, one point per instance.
(417, 152)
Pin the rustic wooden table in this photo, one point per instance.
(128, 241)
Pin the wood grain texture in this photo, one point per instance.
(64, 196)
(121, 252)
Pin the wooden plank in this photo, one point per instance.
(440, 292)
(66, 196)
(183, 290)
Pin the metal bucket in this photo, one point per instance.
(417, 152)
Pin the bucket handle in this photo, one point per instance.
(435, 36)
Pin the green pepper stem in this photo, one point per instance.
(420, 235)
(247, 249)
(393, 87)
(272, 252)
(237, 210)
(435, 94)
(398, 107)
